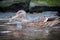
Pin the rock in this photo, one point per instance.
(14, 5)
(44, 8)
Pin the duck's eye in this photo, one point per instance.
(20, 12)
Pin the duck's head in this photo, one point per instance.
(21, 14)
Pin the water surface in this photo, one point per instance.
(30, 16)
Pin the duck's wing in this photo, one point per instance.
(40, 22)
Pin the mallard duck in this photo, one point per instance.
(21, 17)
(37, 23)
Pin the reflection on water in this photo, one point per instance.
(5, 31)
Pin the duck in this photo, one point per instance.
(21, 17)
(38, 23)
